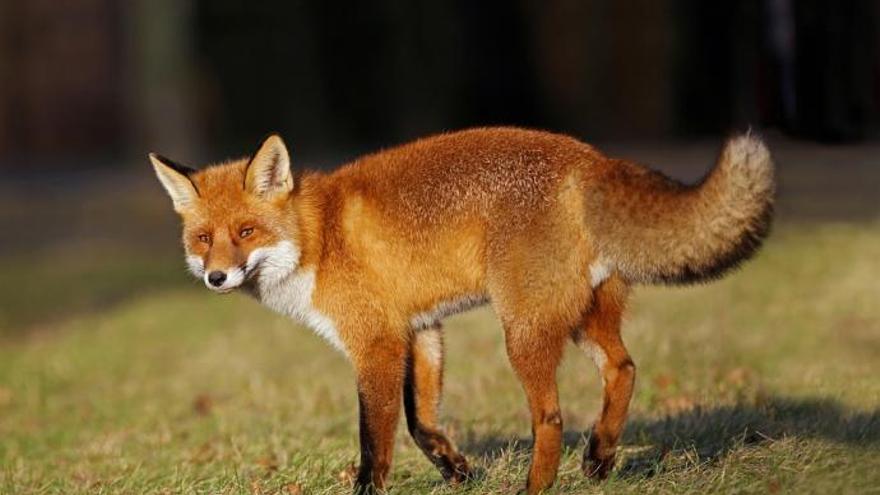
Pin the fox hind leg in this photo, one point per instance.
(538, 283)
(535, 356)
(421, 399)
(600, 338)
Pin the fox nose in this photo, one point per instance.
(216, 278)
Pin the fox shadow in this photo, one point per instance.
(713, 433)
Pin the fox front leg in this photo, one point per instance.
(380, 372)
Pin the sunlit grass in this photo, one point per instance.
(764, 382)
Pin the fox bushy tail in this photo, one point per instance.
(657, 230)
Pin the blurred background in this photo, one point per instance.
(88, 87)
(89, 82)
(120, 373)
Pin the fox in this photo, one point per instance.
(546, 229)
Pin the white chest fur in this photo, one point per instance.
(289, 291)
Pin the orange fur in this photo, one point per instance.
(525, 219)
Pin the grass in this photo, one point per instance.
(125, 377)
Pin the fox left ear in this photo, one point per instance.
(175, 179)
(268, 172)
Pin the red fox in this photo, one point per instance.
(543, 227)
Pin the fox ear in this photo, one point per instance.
(268, 172)
(175, 179)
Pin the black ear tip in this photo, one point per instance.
(182, 169)
(159, 158)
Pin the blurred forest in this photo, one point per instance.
(85, 84)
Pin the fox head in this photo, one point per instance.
(237, 219)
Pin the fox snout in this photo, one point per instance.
(217, 279)
(222, 281)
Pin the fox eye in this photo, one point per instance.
(246, 232)
(205, 238)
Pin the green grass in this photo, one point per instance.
(764, 382)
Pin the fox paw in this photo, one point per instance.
(457, 471)
(597, 469)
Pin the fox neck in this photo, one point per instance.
(300, 244)
(305, 207)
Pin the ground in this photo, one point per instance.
(118, 374)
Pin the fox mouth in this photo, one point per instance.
(223, 290)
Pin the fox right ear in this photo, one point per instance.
(175, 179)
(268, 171)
